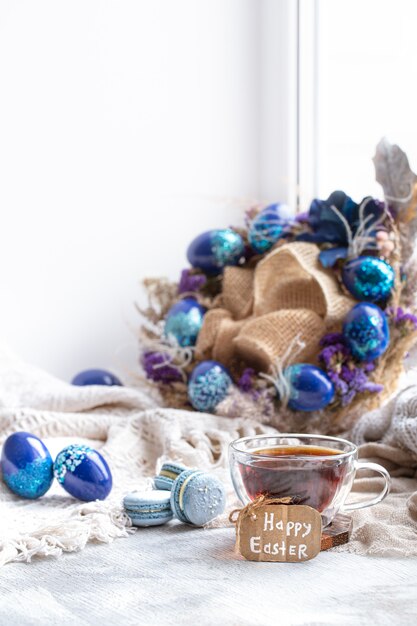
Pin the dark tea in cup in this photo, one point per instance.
(311, 480)
(315, 470)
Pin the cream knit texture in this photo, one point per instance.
(136, 436)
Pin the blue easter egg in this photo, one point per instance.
(208, 385)
(184, 320)
(366, 331)
(213, 250)
(368, 278)
(268, 226)
(95, 377)
(310, 388)
(83, 473)
(26, 465)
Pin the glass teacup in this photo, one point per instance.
(315, 470)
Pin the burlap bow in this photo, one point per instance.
(288, 295)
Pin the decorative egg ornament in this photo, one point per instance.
(208, 385)
(95, 377)
(366, 331)
(311, 389)
(184, 320)
(26, 465)
(368, 278)
(213, 250)
(83, 473)
(267, 227)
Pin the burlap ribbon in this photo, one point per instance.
(288, 295)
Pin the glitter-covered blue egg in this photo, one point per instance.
(366, 331)
(95, 377)
(213, 250)
(209, 384)
(184, 320)
(83, 473)
(26, 465)
(310, 388)
(368, 278)
(268, 226)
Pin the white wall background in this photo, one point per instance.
(129, 126)
(126, 128)
(366, 89)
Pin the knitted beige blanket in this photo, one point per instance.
(136, 436)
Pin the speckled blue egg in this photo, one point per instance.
(184, 320)
(368, 278)
(213, 250)
(95, 377)
(366, 331)
(310, 388)
(26, 465)
(83, 473)
(209, 384)
(268, 226)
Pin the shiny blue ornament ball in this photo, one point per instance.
(184, 321)
(213, 250)
(268, 226)
(209, 384)
(26, 465)
(311, 389)
(368, 278)
(95, 377)
(83, 473)
(366, 331)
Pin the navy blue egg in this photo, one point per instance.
(368, 278)
(310, 388)
(268, 226)
(95, 377)
(26, 465)
(209, 384)
(366, 331)
(214, 249)
(83, 473)
(184, 321)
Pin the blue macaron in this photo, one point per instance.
(167, 475)
(148, 508)
(197, 497)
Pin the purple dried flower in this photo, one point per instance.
(348, 373)
(301, 218)
(190, 283)
(348, 377)
(157, 367)
(368, 366)
(402, 318)
(332, 338)
(372, 387)
(348, 397)
(247, 380)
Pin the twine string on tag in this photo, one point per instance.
(250, 509)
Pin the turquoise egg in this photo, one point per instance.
(268, 226)
(209, 384)
(311, 388)
(184, 320)
(368, 278)
(213, 250)
(366, 331)
(26, 465)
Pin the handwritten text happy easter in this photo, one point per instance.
(280, 533)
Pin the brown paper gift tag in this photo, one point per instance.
(278, 532)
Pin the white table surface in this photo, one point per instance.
(176, 575)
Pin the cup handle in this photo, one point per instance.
(380, 470)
